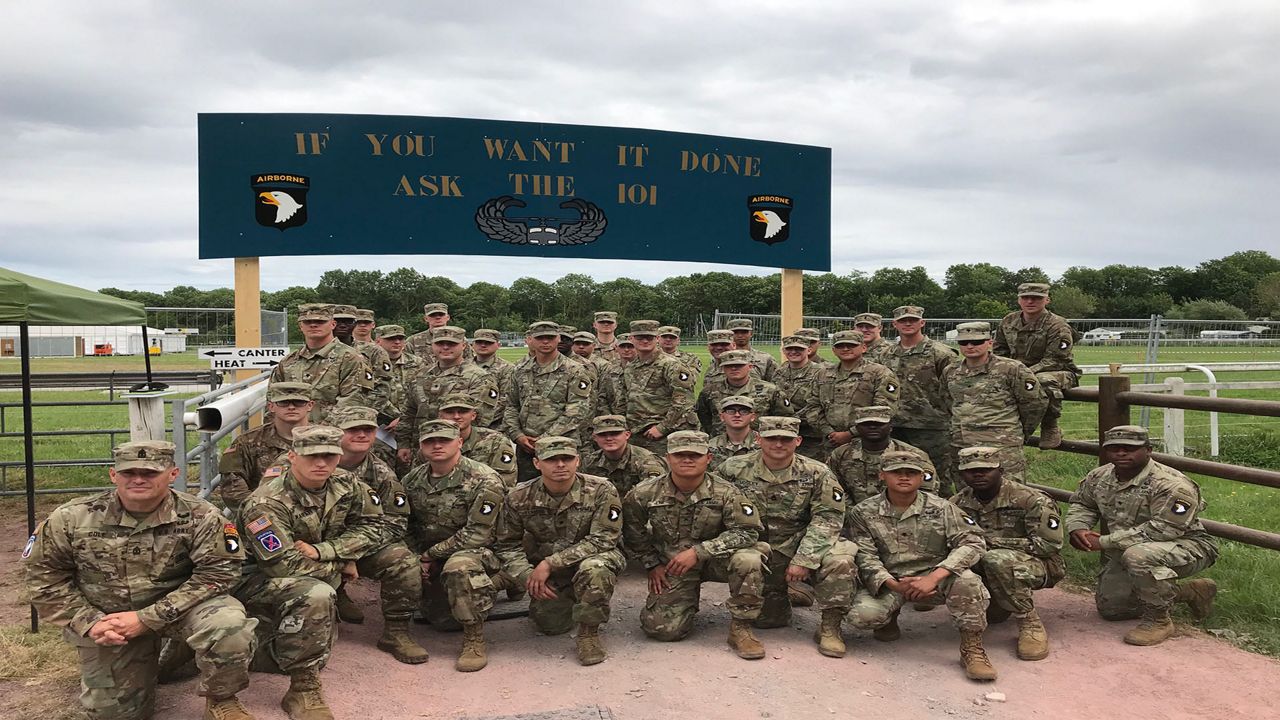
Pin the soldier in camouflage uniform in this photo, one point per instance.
(484, 445)
(558, 535)
(436, 315)
(737, 380)
(243, 464)
(584, 347)
(798, 379)
(610, 456)
(814, 336)
(658, 391)
(381, 397)
(363, 330)
(605, 322)
(922, 419)
(550, 395)
(764, 363)
(121, 570)
(857, 464)
(449, 375)
(871, 325)
(1043, 342)
(802, 507)
(688, 527)
(738, 415)
(405, 368)
(669, 343)
(917, 547)
(719, 342)
(1024, 539)
(455, 504)
(1151, 535)
(856, 382)
(485, 343)
(338, 374)
(611, 401)
(994, 401)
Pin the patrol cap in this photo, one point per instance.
(388, 331)
(1126, 435)
(979, 457)
(740, 324)
(486, 335)
(795, 341)
(584, 337)
(735, 357)
(669, 330)
(719, 336)
(448, 333)
(776, 426)
(457, 400)
(344, 312)
(281, 391)
(1033, 290)
(549, 446)
(908, 311)
(809, 333)
(873, 413)
(644, 328)
(542, 328)
(567, 330)
(868, 318)
(848, 337)
(688, 441)
(446, 429)
(435, 309)
(607, 424)
(625, 339)
(973, 331)
(315, 311)
(346, 417)
(364, 315)
(606, 316)
(144, 455)
(737, 401)
(317, 440)
(900, 459)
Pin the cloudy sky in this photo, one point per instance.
(1022, 133)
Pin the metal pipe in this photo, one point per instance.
(28, 443)
(1212, 468)
(1265, 408)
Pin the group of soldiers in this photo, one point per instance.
(448, 475)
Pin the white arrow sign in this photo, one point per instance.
(225, 358)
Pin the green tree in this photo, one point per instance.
(532, 299)
(1267, 296)
(990, 309)
(1072, 302)
(1234, 277)
(1207, 310)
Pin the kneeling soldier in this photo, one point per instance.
(121, 570)
(689, 527)
(1024, 540)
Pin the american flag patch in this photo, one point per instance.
(258, 525)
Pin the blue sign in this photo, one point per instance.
(304, 184)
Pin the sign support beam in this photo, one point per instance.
(792, 301)
(248, 319)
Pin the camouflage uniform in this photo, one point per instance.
(501, 370)
(657, 392)
(923, 419)
(551, 399)
(420, 343)
(692, 362)
(1045, 346)
(799, 387)
(383, 397)
(768, 399)
(336, 372)
(722, 448)
(245, 462)
(996, 404)
(494, 450)
(842, 391)
(635, 466)
(434, 383)
(858, 468)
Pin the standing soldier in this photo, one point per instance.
(871, 325)
(353, 327)
(404, 370)
(613, 458)
(450, 374)
(550, 395)
(857, 464)
(436, 315)
(337, 374)
(584, 347)
(742, 329)
(1151, 535)
(1023, 531)
(485, 343)
(611, 400)
(719, 342)
(455, 504)
(658, 391)
(1043, 342)
(994, 401)
(363, 330)
(917, 547)
(814, 336)
(669, 341)
(484, 445)
(737, 380)
(919, 362)
(738, 415)
(856, 382)
(121, 570)
(605, 324)
(558, 536)
(688, 527)
(255, 451)
(798, 379)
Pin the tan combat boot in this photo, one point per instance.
(348, 610)
(889, 631)
(801, 594)
(474, 655)
(225, 709)
(743, 641)
(395, 640)
(1033, 639)
(303, 700)
(974, 657)
(1050, 434)
(1198, 595)
(828, 637)
(590, 651)
(1155, 628)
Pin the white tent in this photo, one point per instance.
(124, 339)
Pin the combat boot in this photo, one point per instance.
(1050, 434)
(743, 641)
(1155, 628)
(775, 613)
(474, 655)
(225, 709)
(395, 640)
(348, 610)
(800, 594)
(1033, 639)
(830, 642)
(889, 631)
(974, 657)
(303, 700)
(590, 651)
(1198, 595)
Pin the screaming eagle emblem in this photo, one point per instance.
(280, 199)
(770, 218)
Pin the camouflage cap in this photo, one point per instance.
(458, 400)
(486, 335)
(625, 339)
(1033, 289)
(448, 333)
(446, 429)
(902, 459)
(584, 337)
(608, 423)
(542, 328)
(979, 457)
(795, 341)
(281, 391)
(775, 426)
(1126, 435)
(735, 357)
(868, 318)
(694, 441)
(973, 331)
(669, 330)
(549, 446)
(363, 315)
(315, 311)
(715, 337)
(644, 328)
(435, 309)
(809, 333)
(143, 455)
(346, 417)
(873, 413)
(737, 401)
(908, 311)
(606, 316)
(388, 331)
(344, 312)
(740, 324)
(847, 337)
(568, 330)
(317, 440)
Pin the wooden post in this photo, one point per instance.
(1111, 412)
(1175, 419)
(792, 302)
(147, 415)
(248, 289)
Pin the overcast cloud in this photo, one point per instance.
(1021, 133)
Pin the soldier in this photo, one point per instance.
(1043, 342)
(1024, 540)
(549, 396)
(584, 347)
(337, 374)
(455, 504)
(449, 375)
(856, 382)
(994, 401)
(263, 449)
(122, 569)
(363, 330)
(658, 391)
(688, 527)
(814, 336)
(798, 379)
(742, 330)
(919, 362)
(802, 508)
(669, 343)
(719, 342)
(346, 320)
(405, 368)
(558, 536)
(485, 343)
(917, 547)
(738, 415)
(871, 325)
(737, 380)
(857, 464)
(614, 459)
(605, 324)
(484, 445)
(436, 315)
(1151, 535)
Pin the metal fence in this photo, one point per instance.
(170, 330)
(216, 326)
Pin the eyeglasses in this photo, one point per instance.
(737, 411)
(290, 403)
(970, 342)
